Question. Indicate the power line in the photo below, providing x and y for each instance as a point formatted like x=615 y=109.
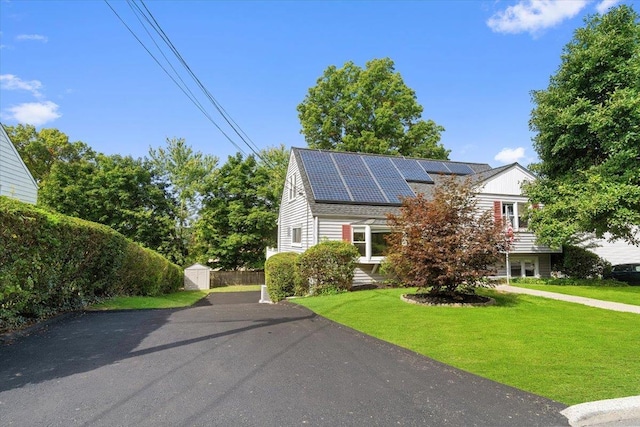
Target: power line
x=146 y=16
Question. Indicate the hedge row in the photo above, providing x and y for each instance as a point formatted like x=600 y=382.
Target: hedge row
x=51 y=263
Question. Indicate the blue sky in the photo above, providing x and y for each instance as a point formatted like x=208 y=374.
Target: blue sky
x=72 y=65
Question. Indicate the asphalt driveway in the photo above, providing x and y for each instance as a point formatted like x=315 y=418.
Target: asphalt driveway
x=230 y=361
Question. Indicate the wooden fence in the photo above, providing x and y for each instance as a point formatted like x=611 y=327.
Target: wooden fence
x=225 y=278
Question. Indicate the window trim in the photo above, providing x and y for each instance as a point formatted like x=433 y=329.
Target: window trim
x=516 y=208
x=293 y=235
x=368 y=231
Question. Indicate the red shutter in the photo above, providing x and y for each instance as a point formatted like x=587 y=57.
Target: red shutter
x=497 y=211
x=346 y=233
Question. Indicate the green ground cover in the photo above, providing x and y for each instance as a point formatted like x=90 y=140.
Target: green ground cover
x=174 y=300
x=567 y=352
x=624 y=294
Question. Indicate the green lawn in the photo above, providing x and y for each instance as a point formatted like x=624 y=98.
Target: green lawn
x=567 y=352
x=175 y=300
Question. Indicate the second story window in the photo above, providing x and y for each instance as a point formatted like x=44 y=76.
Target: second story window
x=292 y=187
x=508 y=214
x=514 y=214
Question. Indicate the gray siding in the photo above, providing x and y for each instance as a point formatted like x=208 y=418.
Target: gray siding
x=15 y=179
x=294 y=212
x=525 y=242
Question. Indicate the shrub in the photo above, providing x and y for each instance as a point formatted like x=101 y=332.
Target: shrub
x=51 y=263
x=280 y=275
x=444 y=243
x=580 y=263
x=328 y=266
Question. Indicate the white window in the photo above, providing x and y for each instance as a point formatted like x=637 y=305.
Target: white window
x=359 y=240
x=296 y=235
x=292 y=187
x=370 y=241
x=514 y=214
x=524 y=267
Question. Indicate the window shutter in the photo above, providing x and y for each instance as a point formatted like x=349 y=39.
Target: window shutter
x=497 y=211
x=346 y=233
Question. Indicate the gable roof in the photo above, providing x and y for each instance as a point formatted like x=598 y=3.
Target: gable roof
x=371 y=185
x=371 y=179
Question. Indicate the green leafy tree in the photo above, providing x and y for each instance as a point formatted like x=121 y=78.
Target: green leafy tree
x=368 y=110
x=41 y=149
x=444 y=244
x=187 y=173
x=239 y=215
x=116 y=191
x=588 y=135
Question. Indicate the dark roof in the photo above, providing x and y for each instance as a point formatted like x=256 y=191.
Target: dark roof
x=370 y=180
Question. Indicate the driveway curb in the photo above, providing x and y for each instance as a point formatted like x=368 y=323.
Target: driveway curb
x=604 y=412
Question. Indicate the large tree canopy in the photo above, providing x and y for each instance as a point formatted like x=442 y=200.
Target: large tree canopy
x=41 y=149
x=368 y=110
x=238 y=219
x=117 y=191
x=588 y=135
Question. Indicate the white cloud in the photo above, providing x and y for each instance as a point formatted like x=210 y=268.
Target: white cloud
x=510 y=155
x=34 y=113
x=605 y=5
x=35 y=37
x=535 y=15
x=11 y=82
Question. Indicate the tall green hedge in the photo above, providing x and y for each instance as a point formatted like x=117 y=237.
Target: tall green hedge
x=50 y=263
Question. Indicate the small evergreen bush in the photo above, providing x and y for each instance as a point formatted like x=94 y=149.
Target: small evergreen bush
x=280 y=275
x=329 y=266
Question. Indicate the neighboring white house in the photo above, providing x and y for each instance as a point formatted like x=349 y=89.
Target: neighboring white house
x=617 y=252
x=346 y=196
x=15 y=179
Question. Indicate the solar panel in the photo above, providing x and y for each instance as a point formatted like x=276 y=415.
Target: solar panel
x=411 y=170
x=459 y=168
x=324 y=177
x=359 y=181
x=389 y=179
x=434 y=166
x=395 y=189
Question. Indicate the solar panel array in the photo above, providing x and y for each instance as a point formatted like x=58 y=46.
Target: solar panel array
x=369 y=179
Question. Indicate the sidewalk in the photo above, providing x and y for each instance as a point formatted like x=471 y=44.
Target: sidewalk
x=607 y=305
x=604 y=413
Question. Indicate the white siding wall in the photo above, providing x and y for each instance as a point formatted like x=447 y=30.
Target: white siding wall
x=508 y=182
x=15 y=179
x=615 y=252
x=294 y=212
x=525 y=242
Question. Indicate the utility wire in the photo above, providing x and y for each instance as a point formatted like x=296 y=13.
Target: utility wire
x=153 y=23
x=156 y=26
x=188 y=93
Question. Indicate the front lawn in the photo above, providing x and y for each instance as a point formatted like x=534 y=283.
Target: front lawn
x=174 y=300
x=622 y=293
x=567 y=352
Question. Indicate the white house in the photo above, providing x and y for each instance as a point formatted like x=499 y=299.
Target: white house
x=15 y=179
x=346 y=196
